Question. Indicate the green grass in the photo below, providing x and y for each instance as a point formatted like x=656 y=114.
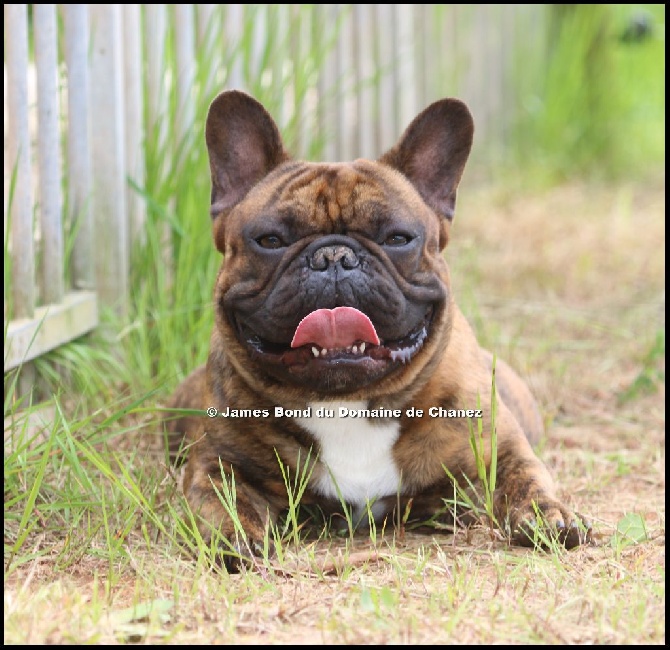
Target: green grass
x=652 y=373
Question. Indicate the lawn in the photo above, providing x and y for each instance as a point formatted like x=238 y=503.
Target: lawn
x=567 y=284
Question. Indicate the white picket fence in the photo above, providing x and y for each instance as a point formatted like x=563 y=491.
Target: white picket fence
x=79 y=103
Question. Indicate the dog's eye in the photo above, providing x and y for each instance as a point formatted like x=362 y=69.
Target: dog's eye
x=397 y=239
x=270 y=241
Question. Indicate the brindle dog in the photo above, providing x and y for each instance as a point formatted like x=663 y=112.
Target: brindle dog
x=334 y=297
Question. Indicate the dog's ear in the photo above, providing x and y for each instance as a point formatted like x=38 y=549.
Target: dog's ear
x=433 y=151
x=244 y=145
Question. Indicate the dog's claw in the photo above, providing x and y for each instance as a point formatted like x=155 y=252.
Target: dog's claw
x=527 y=531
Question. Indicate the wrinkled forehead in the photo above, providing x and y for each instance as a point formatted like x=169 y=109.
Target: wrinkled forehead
x=337 y=195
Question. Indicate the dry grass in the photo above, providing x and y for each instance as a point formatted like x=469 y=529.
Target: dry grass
x=568 y=285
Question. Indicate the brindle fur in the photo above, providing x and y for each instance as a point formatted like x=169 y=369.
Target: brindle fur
x=252 y=174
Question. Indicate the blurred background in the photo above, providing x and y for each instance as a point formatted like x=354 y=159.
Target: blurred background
x=106 y=176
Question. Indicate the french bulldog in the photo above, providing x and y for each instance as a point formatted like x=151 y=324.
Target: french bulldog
x=338 y=352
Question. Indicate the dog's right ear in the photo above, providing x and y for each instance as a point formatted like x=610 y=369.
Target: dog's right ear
x=244 y=145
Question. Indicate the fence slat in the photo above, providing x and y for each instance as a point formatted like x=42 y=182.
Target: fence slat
x=209 y=29
x=234 y=30
x=448 y=63
x=406 y=63
x=346 y=99
x=155 y=20
x=279 y=15
x=134 y=116
x=296 y=109
x=18 y=155
x=49 y=155
x=423 y=52
x=387 y=120
x=328 y=84
x=79 y=182
x=364 y=65
x=108 y=155
x=259 y=36
x=185 y=50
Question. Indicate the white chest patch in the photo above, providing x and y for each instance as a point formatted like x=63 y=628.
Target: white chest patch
x=356 y=451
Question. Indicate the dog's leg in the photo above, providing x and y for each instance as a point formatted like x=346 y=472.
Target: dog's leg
x=525 y=498
x=235 y=509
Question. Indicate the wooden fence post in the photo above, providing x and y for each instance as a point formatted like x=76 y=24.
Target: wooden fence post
x=18 y=155
x=387 y=95
x=209 y=30
x=108 y=156
x=185 y=50
x=134 y=121
x=49 y=154
x=233 y=32
x=155 y=18
x=79 y=182
x=365 y=66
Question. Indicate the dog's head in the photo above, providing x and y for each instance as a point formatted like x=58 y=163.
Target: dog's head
x=333 y=282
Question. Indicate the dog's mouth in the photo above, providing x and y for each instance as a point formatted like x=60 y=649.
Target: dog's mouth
x=346 y=332
x=336 y=350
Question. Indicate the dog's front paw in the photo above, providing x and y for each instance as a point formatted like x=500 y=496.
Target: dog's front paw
x=234 y=553
x=539 y=522
x=229 y=518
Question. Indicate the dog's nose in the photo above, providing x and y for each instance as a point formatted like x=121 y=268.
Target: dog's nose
x=326 y=256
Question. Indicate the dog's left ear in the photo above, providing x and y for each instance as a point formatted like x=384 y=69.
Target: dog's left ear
x=433 y=151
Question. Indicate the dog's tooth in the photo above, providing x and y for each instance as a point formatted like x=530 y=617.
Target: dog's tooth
x=362 y=347
x=315 y=351
x=324 y=352
x=354 y=349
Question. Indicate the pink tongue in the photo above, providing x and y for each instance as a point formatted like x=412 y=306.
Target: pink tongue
x=335 y=328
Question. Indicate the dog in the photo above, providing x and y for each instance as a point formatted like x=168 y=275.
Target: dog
x=338 y=352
